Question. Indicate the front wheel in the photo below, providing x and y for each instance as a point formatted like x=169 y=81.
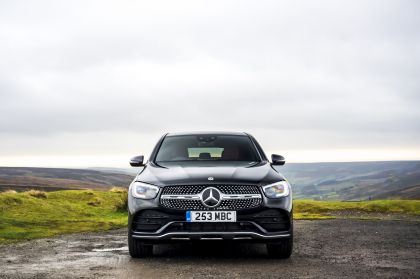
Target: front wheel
x=139 y=249
x=280 y=250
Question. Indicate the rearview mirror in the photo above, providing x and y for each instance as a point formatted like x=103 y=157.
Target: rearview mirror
x=278 y=160
x=137 y=161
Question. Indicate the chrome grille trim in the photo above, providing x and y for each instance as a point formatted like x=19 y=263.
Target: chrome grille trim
x=223 y=197
x=237 y=235
x=232 y=197
x=180 y=197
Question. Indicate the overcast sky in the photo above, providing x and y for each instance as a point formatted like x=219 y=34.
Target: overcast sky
x=91 y=83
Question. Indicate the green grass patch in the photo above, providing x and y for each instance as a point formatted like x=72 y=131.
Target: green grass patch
x=311 y=216
x=37 y=214
x=309 y=209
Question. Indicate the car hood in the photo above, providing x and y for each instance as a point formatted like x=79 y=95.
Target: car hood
x=199 y=173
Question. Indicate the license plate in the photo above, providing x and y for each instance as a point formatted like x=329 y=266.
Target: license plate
x=211 y=216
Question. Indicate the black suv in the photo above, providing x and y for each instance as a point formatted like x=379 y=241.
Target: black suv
x=209 y=186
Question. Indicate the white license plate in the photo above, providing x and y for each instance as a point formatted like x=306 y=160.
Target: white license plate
x=211 y=216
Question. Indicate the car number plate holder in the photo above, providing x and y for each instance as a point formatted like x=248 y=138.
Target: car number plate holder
x=210 y=216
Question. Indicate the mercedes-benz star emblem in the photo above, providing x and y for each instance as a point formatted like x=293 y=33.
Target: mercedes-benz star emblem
x=211 y=197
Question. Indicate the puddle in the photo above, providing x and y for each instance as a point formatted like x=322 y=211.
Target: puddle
x=125 y=248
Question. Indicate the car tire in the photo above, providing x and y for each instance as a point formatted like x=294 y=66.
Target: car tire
x=139 y=249
x=280 y=250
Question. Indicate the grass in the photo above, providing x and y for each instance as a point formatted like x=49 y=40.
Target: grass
x=309 y=209
x=311 y=216
x=36 y=214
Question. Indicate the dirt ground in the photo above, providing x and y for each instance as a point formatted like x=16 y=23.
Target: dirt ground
x=323 y=249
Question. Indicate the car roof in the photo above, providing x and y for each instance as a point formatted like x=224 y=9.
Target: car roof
x=207 y=133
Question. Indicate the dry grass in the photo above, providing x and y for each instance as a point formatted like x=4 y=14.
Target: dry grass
x=10 y=192
x=95 y=202
x=89 y=192
x=122 y=206
x=118 y=190
x=37 y=194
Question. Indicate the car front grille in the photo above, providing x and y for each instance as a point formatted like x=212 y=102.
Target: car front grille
x=197 y=189
x=224 y=205
x=233 y=197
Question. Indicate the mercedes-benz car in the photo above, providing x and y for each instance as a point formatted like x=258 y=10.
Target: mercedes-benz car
x=209 y=186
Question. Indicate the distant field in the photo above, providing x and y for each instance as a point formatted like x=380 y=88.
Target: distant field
x=36 y=214
x=53 y=179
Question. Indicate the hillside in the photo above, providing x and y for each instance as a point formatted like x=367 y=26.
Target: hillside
x=354 y=181
x=320 y=181
x=52 y=179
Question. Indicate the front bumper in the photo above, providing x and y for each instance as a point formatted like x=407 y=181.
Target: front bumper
x=258 y=225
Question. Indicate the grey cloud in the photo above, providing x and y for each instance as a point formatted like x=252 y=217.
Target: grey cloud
x=344 y=72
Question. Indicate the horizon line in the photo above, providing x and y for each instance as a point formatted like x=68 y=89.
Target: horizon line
x=129 y=167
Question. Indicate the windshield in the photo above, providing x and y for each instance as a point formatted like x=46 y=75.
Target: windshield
x=207 y=148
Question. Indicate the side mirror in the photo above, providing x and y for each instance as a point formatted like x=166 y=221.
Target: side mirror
x=278 y=160
x=137 y=161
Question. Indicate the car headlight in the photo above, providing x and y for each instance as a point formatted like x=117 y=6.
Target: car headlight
x=277 y=190
x=144 y=191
